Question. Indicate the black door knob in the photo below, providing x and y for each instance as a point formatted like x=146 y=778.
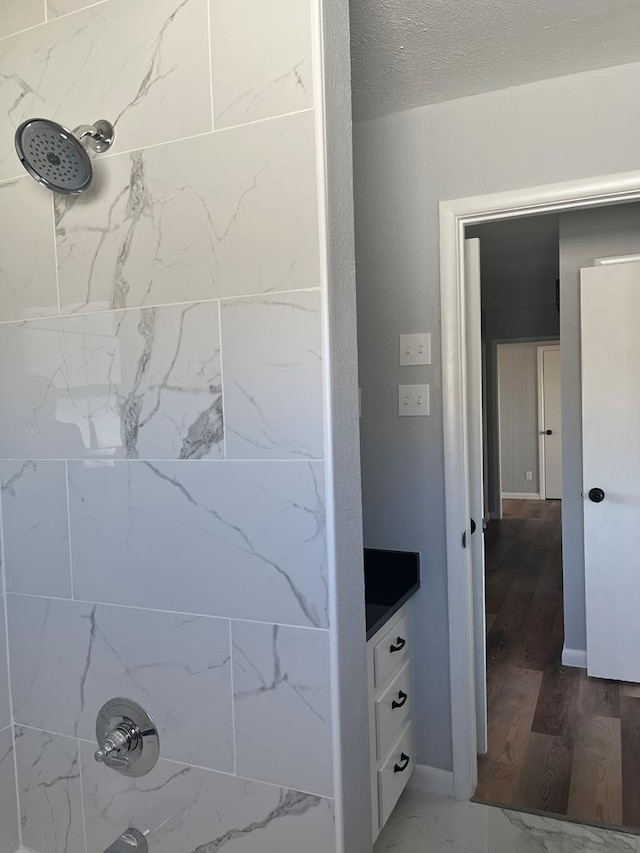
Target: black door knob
x=548 y=432
x=596 y=495
x=473 y=527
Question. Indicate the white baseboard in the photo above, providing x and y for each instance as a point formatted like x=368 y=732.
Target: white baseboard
x=520 y=496
x=432 y=780
x=574 y=657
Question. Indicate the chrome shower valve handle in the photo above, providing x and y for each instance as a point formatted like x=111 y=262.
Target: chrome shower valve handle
x=121 y=742
x=127 y=738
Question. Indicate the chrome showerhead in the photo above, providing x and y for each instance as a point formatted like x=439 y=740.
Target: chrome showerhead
x=56 y=157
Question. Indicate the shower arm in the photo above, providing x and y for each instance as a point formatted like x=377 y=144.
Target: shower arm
x=98 y=136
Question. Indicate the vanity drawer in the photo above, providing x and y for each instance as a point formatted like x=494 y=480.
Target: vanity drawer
x=395 y=773
x=391 y=651
x=393 y=709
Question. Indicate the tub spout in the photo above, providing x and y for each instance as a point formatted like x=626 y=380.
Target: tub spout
x=131 y=841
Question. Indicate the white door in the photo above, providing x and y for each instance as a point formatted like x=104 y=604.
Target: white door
x=610 y=308
x=551 y=423
x=476 y=496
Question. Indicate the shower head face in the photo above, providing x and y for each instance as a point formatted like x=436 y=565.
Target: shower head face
x=53 y=156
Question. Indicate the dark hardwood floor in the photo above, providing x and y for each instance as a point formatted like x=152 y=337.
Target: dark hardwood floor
x=559 y=742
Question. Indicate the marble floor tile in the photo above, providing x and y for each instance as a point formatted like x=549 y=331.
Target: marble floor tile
x=413 y=824
x=416 y=826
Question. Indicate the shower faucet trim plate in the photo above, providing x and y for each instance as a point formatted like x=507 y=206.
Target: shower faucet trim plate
x=127 y=738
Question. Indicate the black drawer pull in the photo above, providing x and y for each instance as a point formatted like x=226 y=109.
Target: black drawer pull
x=400 y=768
x=402 y=696
x=400 y=644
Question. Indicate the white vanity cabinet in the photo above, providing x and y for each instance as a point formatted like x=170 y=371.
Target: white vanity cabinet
x=391 y=733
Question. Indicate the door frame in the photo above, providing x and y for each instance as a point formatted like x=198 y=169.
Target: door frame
x=455 y=216
x=542 y=474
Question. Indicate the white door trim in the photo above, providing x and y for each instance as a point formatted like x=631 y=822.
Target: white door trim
x=542 y=485
x=455 y=215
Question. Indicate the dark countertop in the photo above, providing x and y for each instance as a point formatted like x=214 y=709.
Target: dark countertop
x=390 y=579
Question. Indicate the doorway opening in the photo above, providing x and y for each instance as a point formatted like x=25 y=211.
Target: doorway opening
x=561 y=737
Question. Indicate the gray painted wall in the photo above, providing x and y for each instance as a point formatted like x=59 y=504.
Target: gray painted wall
x=519 y=270
x=518 y=385
x=571 y=127
x=584 y=235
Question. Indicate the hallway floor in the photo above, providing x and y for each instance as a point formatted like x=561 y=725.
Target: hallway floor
x=559 y=742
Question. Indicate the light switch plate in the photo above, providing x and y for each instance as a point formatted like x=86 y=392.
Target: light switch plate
x=413 y=401
x=415 y=349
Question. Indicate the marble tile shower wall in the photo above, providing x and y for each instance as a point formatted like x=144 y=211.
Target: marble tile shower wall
x=161 y=441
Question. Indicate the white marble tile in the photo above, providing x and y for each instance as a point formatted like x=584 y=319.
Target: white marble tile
x=27 y=252
x=9 y=840
x=113 y=384
x=5 y=705
x=261 y=57
x=282 y=692
x=484 y=829
x=55 y=8
x=36 y=528
x=143 y=65
x=177 y=667
x=272 y=362
x=413 y=825
x=50 y=794
x=221 y=215
x=187 y=810
x=243 y=540
x=16 y=15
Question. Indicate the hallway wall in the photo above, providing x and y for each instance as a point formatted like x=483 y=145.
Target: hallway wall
x=518 y=390
x=519 y=270
x=555 y=130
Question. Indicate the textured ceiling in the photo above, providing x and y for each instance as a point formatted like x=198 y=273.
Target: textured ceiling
x=406 y=53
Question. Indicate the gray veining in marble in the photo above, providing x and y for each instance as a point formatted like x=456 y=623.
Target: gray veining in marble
x=118 y=384
x=272 y=351
x=432 y=824
x=236 y=539
x=282 y=695
x=50 y=794
x=188 y=810
x=177 y=667
x=9 y=838
x=220 y=215
x=261 y=55
x=36 y=527
x=154 y=87
x=27 y=251
x=5 y=705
